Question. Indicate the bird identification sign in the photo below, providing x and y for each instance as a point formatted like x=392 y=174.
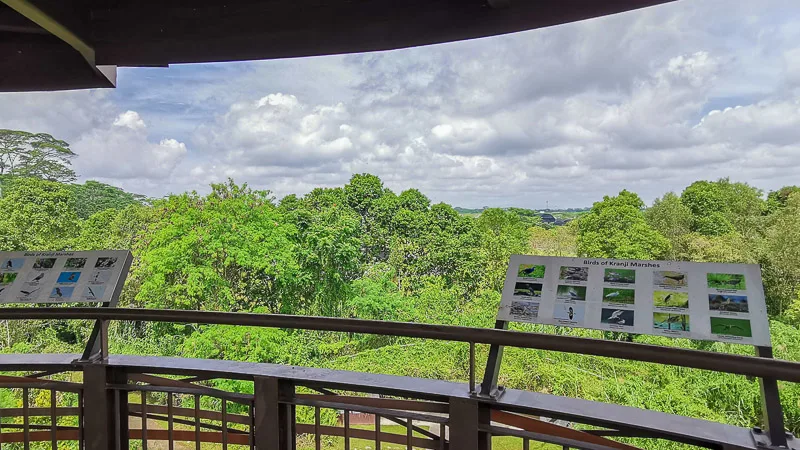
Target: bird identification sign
x=62 y=277
x=708 y=301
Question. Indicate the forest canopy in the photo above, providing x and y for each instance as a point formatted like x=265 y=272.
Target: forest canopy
x=363 y=250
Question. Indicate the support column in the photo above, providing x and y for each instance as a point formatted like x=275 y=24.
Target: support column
x=275 y=415
x=466 y=418
x=105 y=413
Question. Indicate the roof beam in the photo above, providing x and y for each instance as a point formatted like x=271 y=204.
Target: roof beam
x=53 y=26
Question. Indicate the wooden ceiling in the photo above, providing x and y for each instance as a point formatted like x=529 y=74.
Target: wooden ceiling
x=74 y=44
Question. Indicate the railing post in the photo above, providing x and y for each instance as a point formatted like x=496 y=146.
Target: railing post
x=771 y=409
x=106 y=414
x=274 y=414
x=489 y=387
x=466 y=418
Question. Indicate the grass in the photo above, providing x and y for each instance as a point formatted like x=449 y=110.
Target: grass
x=613 y=295
x=670 y=299
x=337 y=443
x=726 y=281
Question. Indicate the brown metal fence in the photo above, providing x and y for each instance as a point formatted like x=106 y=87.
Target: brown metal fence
x=124 y=402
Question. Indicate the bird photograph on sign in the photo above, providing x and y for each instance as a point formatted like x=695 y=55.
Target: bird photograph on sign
x=670 y=299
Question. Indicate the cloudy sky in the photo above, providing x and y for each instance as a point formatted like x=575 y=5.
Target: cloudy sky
x=648 y=100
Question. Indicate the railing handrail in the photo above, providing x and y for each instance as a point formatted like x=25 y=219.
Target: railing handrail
x=697 y=359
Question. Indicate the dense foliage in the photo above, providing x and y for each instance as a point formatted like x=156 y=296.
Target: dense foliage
x=362 y=250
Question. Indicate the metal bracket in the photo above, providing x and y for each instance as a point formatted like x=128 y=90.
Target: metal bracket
x=761 y=438
x=494 y=394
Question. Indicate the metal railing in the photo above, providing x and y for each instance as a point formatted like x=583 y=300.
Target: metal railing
x=131 y=399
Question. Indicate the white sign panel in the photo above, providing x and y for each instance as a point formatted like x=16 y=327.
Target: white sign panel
x=709 y=301
x=62 y=277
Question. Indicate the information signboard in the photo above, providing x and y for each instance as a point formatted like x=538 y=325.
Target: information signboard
x=62 y=277
x=709 y=301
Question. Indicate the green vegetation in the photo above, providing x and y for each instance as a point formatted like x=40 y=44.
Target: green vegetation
x=361 y=250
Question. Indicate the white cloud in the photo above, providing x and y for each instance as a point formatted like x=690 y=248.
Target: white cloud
x=130 y=119
x=123 y=151
x=649 y=100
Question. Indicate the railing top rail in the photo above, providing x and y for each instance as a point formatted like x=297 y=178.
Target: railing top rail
x=719 y=362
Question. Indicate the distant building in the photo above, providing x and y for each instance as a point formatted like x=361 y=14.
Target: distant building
x=548 y=218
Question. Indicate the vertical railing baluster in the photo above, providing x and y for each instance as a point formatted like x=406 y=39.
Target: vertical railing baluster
x=377 y=432
x=472 y=368
x=53 y=420
x=346 y=430
x=144 y=420
x=409 y=433
x=117 y=421
x=25 y=422
x=81 y=444
x=197 y=421
x=224 y=424
x=317 y=437
x=442 y=434
x=526 y=444
x=170 y=424
x=252 y=426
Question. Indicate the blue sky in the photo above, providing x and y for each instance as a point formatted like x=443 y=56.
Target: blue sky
x=648 y=100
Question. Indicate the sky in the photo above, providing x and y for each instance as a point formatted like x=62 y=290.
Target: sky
x=649 y=100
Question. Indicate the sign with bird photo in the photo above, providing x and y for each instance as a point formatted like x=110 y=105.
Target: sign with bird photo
x=62 y=277
x=708 y=301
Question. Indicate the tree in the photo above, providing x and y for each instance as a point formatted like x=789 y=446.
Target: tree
x=35 y=155
x=529 y=217
x=616 y=228
x=725 y=248
x=780 y=259
x=719 y=207
x=115 y=229
x=230 y=250
x=36 y=215
x=673 y=219
x=376 y=207
x=328 y=248
x=501 y=234
x=555 y=241
x=778 y=199
x=93 y=196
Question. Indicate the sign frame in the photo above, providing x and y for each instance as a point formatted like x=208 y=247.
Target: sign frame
x=68 y=272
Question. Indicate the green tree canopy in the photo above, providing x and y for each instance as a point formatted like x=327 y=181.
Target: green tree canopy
x=670 y=217
x=616 y=228
x=501 y=234
x=36 y=214
x=719 y=207
x=780 y=259
x=778 y=199
x=230 y=250
x=35 y=155
x=93 y=196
